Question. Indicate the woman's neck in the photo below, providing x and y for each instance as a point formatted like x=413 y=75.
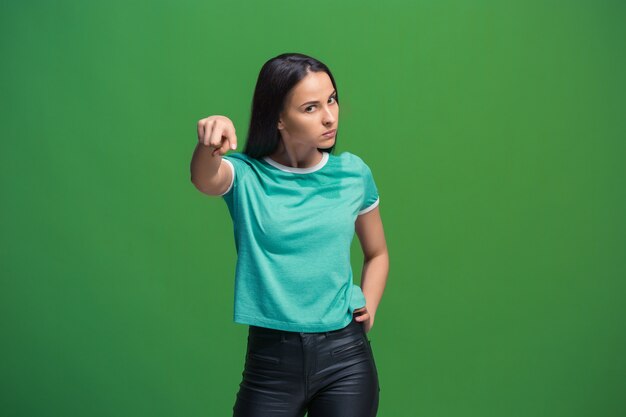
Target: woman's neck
x=297 y=159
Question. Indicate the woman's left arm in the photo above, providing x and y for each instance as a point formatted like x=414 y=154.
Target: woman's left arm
x=369 y=229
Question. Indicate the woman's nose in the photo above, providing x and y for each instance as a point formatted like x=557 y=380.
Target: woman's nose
x=329 y=117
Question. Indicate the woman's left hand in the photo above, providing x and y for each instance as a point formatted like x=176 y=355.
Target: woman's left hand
x=362 y=315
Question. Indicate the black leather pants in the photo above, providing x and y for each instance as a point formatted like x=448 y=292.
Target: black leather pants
x=327 y=374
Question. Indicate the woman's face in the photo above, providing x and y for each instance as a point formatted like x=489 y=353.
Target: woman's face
x=310 y=110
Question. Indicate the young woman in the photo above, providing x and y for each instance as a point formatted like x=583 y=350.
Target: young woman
x=295 y=208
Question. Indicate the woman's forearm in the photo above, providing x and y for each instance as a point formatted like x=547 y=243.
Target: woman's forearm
x=374 y=279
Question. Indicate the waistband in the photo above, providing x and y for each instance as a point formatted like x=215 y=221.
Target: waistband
x=352 y=327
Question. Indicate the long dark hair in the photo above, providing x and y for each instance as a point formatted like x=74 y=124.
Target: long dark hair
x=276 y=78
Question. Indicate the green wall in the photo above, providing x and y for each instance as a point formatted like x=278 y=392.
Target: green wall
x=495 y=132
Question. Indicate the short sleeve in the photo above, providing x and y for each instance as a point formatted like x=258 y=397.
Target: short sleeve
x=370 y=192
x=239 y=166
x=232 y=167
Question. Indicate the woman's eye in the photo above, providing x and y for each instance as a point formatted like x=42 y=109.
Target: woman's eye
x=307 y=109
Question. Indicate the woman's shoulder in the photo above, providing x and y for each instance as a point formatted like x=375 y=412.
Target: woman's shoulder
x=352 y=159
x=237 y=155
x=241 y=162
x=242 y=158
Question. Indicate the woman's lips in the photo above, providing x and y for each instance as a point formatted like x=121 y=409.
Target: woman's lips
x=330 y=134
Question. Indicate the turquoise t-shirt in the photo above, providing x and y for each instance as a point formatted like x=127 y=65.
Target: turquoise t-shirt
x=293 y=230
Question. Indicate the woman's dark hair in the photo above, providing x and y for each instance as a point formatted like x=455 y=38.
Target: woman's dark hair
x=276 y=79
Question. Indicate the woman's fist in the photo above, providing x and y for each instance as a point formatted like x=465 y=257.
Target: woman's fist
x=217 y=133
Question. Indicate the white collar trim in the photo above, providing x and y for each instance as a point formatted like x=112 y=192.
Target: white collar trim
x=295 y=170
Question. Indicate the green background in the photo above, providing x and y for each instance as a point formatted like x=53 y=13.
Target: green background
x=495 y=132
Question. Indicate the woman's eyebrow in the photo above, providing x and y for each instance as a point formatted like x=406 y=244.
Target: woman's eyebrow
x=315 y=102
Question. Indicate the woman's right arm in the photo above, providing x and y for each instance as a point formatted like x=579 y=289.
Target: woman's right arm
x=216 y=134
